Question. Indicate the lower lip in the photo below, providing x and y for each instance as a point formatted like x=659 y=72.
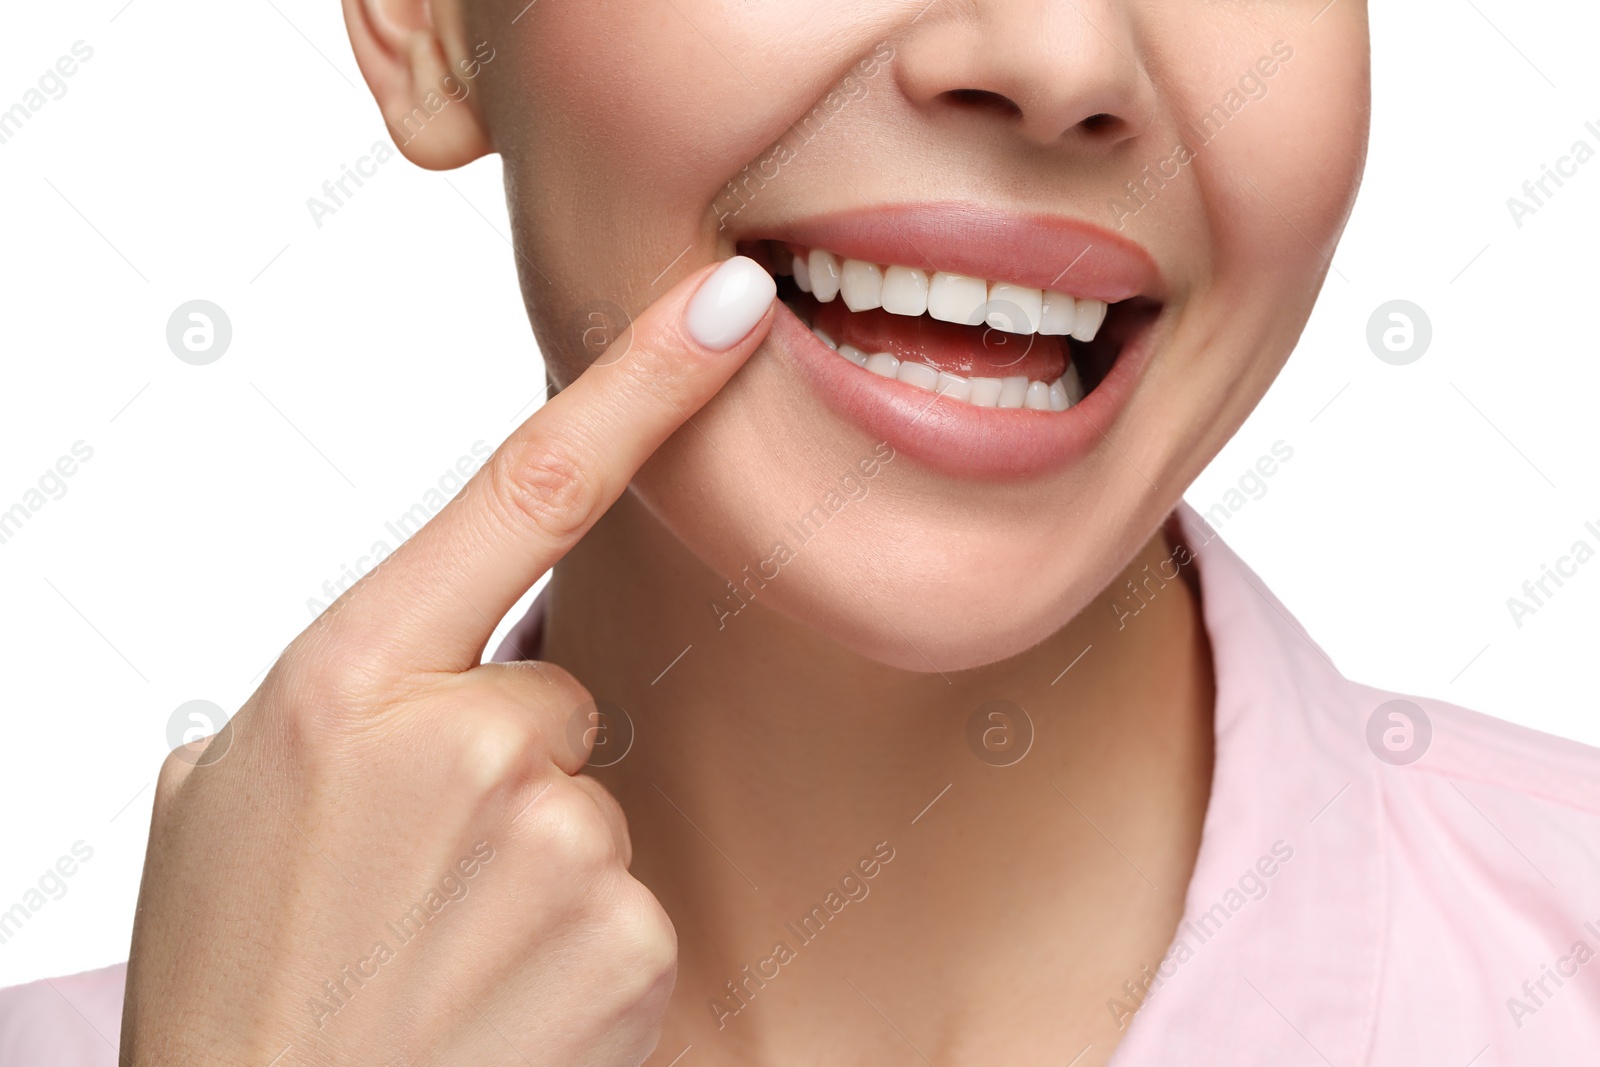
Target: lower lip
x=952 y=436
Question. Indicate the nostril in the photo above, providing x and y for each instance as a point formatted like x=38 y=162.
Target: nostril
x=983 y=100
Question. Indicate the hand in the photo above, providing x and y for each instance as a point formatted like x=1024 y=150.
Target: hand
x=398 y=860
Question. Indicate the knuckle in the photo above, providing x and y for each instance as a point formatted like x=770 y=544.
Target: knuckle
x=169 y=780
x=324 y=705
x=572 y=834
x=546 y=482
x=491 y=748
x=647 y=942
x=311 y=685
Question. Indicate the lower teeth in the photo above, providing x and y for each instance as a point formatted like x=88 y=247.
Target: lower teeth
x=1013 y=392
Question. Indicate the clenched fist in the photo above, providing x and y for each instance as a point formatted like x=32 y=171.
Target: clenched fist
x=399 y=860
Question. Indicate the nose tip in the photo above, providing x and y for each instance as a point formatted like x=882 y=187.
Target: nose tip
x=1040 y=123
x=1052 y=72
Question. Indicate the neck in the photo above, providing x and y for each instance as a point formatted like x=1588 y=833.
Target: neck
x=1025 y=860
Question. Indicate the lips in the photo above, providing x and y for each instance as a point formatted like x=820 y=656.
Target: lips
x=985 y=344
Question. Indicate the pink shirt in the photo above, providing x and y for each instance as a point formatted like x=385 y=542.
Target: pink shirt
x=1345 y=909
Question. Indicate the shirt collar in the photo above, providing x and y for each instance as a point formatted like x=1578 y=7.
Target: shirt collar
x=1278 y=956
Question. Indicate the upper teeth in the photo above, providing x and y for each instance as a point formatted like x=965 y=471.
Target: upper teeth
x=947 y=297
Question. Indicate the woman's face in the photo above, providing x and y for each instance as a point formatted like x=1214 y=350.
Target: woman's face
x=1188 y=162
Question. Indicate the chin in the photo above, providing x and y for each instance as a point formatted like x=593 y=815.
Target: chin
x=874 y=551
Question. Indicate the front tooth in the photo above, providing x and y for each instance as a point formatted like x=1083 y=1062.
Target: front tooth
x=1013 y=391
x=1059 y=314
x=1091 y=313
x=883 y=363
x=853 y=354
x=1072 y=383
x=1037 y=398
x=954 y=386
x=824 y=270
x=905 y=291
x=957 y=298
x=1014 y=308
x=985 y=392
x=1059 y=401
x=918 y=374
x=802 y=275
x=862 y=285
x=825 y=339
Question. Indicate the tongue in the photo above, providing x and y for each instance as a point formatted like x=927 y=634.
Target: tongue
x=970 y=351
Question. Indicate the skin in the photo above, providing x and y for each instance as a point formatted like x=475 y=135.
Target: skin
x=791 y=740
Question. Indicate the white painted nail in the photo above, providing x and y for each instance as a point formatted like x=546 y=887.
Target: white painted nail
x=729 y=303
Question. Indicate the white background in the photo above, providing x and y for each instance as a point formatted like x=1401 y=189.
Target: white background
x=370 y=354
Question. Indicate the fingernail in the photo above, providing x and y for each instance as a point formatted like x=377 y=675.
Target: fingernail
x=729 y=303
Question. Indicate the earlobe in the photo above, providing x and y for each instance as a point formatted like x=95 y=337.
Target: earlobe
x=427 y=106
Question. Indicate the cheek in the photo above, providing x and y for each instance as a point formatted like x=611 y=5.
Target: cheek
x=663 y=101
x=1281 y=177
x=620 y=125
x=1273 y=187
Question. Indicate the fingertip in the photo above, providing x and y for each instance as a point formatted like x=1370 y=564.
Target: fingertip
x=730 y=303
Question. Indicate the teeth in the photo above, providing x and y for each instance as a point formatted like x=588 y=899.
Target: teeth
x=948 y=297
x=1059 y=401
x=1091 y=313
x=985 y=392
x=862 y=286
x=802 y=274
x=1059 y=314
x=957 y=298
x=883 y=363
x=905 y=291
x=853 y=354
x=920 y=375
x=824 y=270
x=1014 y=309
x=1073 y=384
x=953 y=386
x=1012 y=391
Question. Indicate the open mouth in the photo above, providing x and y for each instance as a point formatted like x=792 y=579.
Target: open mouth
x=988 y=343
x=980 y=343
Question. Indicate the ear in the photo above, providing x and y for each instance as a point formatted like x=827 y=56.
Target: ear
x=406 y=56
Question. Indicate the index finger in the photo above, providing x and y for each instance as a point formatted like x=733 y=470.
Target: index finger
x=433 y=605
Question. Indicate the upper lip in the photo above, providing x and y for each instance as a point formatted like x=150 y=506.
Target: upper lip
x=1063 y=255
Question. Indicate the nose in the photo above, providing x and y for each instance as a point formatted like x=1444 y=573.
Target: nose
x=1056 y=70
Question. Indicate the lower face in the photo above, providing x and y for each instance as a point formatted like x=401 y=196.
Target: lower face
x=1037 y=261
